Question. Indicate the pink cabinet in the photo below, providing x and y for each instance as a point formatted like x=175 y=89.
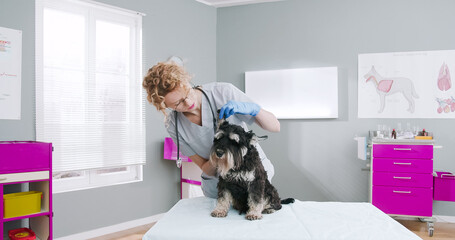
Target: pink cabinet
x=190 y=173
x=27 y=162
x=402 y=180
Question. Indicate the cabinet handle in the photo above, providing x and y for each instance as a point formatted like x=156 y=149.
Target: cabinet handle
x=401 y=177
x=402 y=163
x=402 y=149
x=2 y=179
x=447 y=175
x=401 y=191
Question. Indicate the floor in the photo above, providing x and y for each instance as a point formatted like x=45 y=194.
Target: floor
x=130 y=234
x=442 y=231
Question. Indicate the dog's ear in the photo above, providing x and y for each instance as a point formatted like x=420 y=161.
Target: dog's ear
x=253 y=138
x=220 y=121
x=262 y=138
x=218 y=114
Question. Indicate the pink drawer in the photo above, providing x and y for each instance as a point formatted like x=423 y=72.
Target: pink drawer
x=404 y=200
x=17 y=156
x=403 y=151
x=402 y=165
x=403 y=179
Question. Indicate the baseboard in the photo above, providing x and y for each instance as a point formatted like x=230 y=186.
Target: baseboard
x=112 y=229
x=445 y=219
x=437 y=218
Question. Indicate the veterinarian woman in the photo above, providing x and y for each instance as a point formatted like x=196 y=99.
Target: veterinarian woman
x=168 y=88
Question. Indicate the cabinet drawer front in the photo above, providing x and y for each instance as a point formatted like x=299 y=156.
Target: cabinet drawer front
x=403 y=179
x=402 y=165
x=24 y=156
x=191 y=171
x=404 y=200
x=403 y=151
x=22 y=177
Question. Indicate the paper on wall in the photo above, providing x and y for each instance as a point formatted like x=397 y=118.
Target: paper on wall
x=361 y=147
x=10 y=73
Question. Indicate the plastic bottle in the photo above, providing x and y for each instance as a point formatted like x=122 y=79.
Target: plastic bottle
x=394 y=134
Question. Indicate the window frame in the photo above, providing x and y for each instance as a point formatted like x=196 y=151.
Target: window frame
x=93 y=12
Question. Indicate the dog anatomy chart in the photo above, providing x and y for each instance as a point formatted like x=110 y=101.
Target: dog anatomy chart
x=406 y=85
x=10 y=73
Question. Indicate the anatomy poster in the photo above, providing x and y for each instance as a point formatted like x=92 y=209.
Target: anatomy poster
x=406 y=85
x=10 y=73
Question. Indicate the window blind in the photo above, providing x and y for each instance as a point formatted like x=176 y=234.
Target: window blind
x=89 y=99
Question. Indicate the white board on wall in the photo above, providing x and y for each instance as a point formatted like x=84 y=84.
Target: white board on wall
x=295 y=93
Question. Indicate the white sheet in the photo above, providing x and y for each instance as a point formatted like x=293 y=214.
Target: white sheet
x=190 y=219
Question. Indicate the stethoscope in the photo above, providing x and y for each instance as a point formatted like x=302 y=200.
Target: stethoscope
x=179 y=160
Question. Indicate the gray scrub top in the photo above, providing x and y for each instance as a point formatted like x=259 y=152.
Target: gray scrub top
x=195 y=139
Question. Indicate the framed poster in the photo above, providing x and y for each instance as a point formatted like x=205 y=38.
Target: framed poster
x=406 y=85
x=10 y=73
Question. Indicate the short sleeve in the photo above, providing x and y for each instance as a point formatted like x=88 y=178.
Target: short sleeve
x=185 y=148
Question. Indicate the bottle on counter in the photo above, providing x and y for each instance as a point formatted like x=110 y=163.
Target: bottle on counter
x=424 y=133
x=394 y=134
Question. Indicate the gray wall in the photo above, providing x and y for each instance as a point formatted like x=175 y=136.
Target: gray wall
x=171 y=27
x=317 y=159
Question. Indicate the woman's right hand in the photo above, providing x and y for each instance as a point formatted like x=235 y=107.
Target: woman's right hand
x=234 y=107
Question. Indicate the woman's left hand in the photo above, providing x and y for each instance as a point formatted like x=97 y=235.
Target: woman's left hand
x=233 y=107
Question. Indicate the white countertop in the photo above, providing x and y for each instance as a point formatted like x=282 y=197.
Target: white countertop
x=408 y=141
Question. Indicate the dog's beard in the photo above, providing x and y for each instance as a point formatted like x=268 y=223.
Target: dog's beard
x=227 y=162
x=223 y=164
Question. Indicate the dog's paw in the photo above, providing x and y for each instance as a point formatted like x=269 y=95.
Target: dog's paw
x=251 y=216
x=268 y=211
x=219 y=213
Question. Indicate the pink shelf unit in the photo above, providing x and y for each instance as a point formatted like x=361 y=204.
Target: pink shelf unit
x=402 y=179
x=170 y=151
x=189 y=174
x=31 y=163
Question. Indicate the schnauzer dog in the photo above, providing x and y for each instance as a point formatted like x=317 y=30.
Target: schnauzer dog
x=242 y=179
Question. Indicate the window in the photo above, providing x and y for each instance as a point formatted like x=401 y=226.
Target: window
x=89 y=100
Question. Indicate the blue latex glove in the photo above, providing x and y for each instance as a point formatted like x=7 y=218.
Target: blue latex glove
x=233 y=107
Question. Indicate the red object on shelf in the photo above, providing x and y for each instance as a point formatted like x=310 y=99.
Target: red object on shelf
x=21 y=234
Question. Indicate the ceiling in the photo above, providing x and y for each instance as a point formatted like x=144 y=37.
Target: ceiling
x=228 y=3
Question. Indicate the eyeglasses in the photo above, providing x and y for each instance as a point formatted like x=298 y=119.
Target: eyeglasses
x=183 y=99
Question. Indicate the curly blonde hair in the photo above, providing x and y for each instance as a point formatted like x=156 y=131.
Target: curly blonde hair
x=163 y=78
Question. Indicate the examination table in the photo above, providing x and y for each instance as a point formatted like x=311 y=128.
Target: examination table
x=190 y=219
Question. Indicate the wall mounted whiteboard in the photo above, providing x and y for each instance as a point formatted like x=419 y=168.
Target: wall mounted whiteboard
x=295 y=93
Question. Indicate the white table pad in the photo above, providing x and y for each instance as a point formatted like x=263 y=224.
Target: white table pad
x=190 y=219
